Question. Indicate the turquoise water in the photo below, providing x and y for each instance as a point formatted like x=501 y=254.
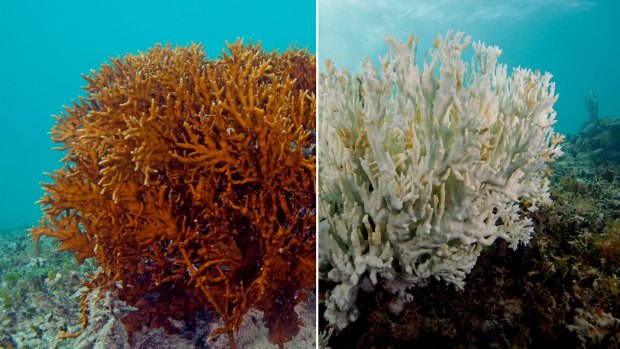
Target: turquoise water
x=575 y=40
x=47 y=45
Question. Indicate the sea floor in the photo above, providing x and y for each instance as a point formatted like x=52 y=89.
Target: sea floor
x=40 y=294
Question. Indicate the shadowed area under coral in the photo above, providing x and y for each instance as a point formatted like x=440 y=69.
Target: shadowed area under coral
x=191 y=183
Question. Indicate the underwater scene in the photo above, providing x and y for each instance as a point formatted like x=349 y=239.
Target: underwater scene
x=163 y=164
x=159 y=175
x=469 y=170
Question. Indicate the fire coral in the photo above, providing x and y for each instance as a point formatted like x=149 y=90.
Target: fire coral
x=192 y=179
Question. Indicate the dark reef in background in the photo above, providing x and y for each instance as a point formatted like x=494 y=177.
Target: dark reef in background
x=598 y=141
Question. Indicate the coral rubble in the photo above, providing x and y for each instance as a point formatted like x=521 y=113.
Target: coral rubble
x=39 y=293
x=191 y=183
x=420 y=169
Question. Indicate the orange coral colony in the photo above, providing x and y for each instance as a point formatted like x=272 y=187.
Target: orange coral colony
x=193 y=179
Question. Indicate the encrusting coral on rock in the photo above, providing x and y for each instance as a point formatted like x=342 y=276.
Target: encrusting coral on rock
x=420 y=169
x=191 y=183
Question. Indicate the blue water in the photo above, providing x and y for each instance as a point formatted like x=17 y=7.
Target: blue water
x=575 y=40
x=47 y=45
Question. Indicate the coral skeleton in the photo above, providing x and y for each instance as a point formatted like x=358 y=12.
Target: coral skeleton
x=421 y=167
x=191 y=182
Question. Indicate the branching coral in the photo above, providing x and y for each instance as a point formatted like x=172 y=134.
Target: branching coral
x=421 y=168
x=193 y=179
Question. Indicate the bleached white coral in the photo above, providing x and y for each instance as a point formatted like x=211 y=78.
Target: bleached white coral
x=420 y=167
